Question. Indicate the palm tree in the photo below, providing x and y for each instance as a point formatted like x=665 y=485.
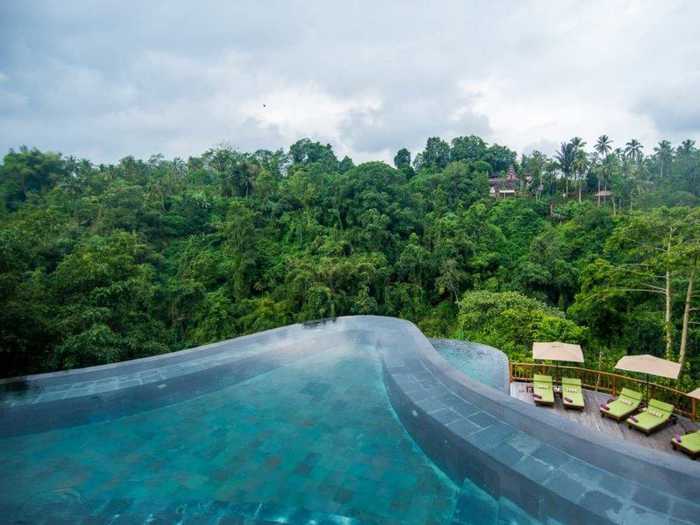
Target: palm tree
x=578 y=143
x=632 y=162
x=664 y=156
x=603 y=147
x=565 y=161
x=687 y=146
x=580 y=161
x=580 y=165
x=633 y=150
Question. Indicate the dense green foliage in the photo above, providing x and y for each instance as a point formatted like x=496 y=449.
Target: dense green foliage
x=512 y=322
x=111 y=262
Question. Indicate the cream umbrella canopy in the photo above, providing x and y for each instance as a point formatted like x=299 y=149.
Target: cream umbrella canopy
x=557 y=351
x=649 y=365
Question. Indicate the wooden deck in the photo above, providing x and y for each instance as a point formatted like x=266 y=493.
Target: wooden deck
x=590 y=418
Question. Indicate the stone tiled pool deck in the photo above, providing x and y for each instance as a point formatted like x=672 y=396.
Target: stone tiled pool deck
x=591 y=419
x=293 y=427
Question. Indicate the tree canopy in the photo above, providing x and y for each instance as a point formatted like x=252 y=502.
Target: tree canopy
x=100 y=263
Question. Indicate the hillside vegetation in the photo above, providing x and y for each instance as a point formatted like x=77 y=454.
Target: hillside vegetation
x=101 y=263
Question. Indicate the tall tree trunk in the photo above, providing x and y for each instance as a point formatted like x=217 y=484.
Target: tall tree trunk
x=599 y=192
x=686 y=315
x=580 y=184
x=667 y=316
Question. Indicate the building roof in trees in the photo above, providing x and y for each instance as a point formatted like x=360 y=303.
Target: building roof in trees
x=507 y=184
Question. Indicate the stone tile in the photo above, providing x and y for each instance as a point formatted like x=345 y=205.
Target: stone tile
x=436 y=391
x=602 y=503
x=652 y=499
x=534 y=469
x=128 y=384
x=431 y=404
x=316 y=389
x=584 y=472
x=510 y=514
x=451 y=399
x=464 y=408
x=463 y=427
x=685 y=511
x=50 y=396
x=635 y=515
x=445 y=416
x=483 y=419
x=343 y=495
x=475 y=508
x=429 y=383
x=506 y=453
x=565 y=486
x=616 y=485
x=551 y=455
x=303 y=469
x=491 y=436
x=523 y=442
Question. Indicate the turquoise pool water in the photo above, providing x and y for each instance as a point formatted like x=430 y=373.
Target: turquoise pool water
x=477 y=361
x=313 y=440
x=316 y=435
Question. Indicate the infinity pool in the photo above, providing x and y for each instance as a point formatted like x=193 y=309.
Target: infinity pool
x=353 y=421
x=306 y=435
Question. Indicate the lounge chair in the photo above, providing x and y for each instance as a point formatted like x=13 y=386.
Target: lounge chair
x=690 y=443
x=542 y=391
x=572 y=394
x=618 y=409
x=651 y=418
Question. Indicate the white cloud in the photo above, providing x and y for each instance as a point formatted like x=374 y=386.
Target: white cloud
x=298 y=111
x=368 y=77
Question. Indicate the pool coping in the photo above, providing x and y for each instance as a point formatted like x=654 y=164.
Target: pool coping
x=168 y=356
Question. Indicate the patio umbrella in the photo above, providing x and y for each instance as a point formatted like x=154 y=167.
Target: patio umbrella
x=649 y=365
x=557 y=351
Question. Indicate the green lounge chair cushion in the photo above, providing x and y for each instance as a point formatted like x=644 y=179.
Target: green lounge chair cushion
x=542 y=379
x=656 y=414
x=571 y=394
x=647 y=421
x=627 y=403
x=632 y=394
x=661 y=406
x=544 y=391
x=691 y=442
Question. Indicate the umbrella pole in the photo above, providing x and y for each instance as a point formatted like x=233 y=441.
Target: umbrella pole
x=647 y=389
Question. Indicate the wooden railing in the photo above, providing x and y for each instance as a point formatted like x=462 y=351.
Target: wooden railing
x=608 y=382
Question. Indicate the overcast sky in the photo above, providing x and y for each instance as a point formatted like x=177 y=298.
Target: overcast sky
x=104 y=79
